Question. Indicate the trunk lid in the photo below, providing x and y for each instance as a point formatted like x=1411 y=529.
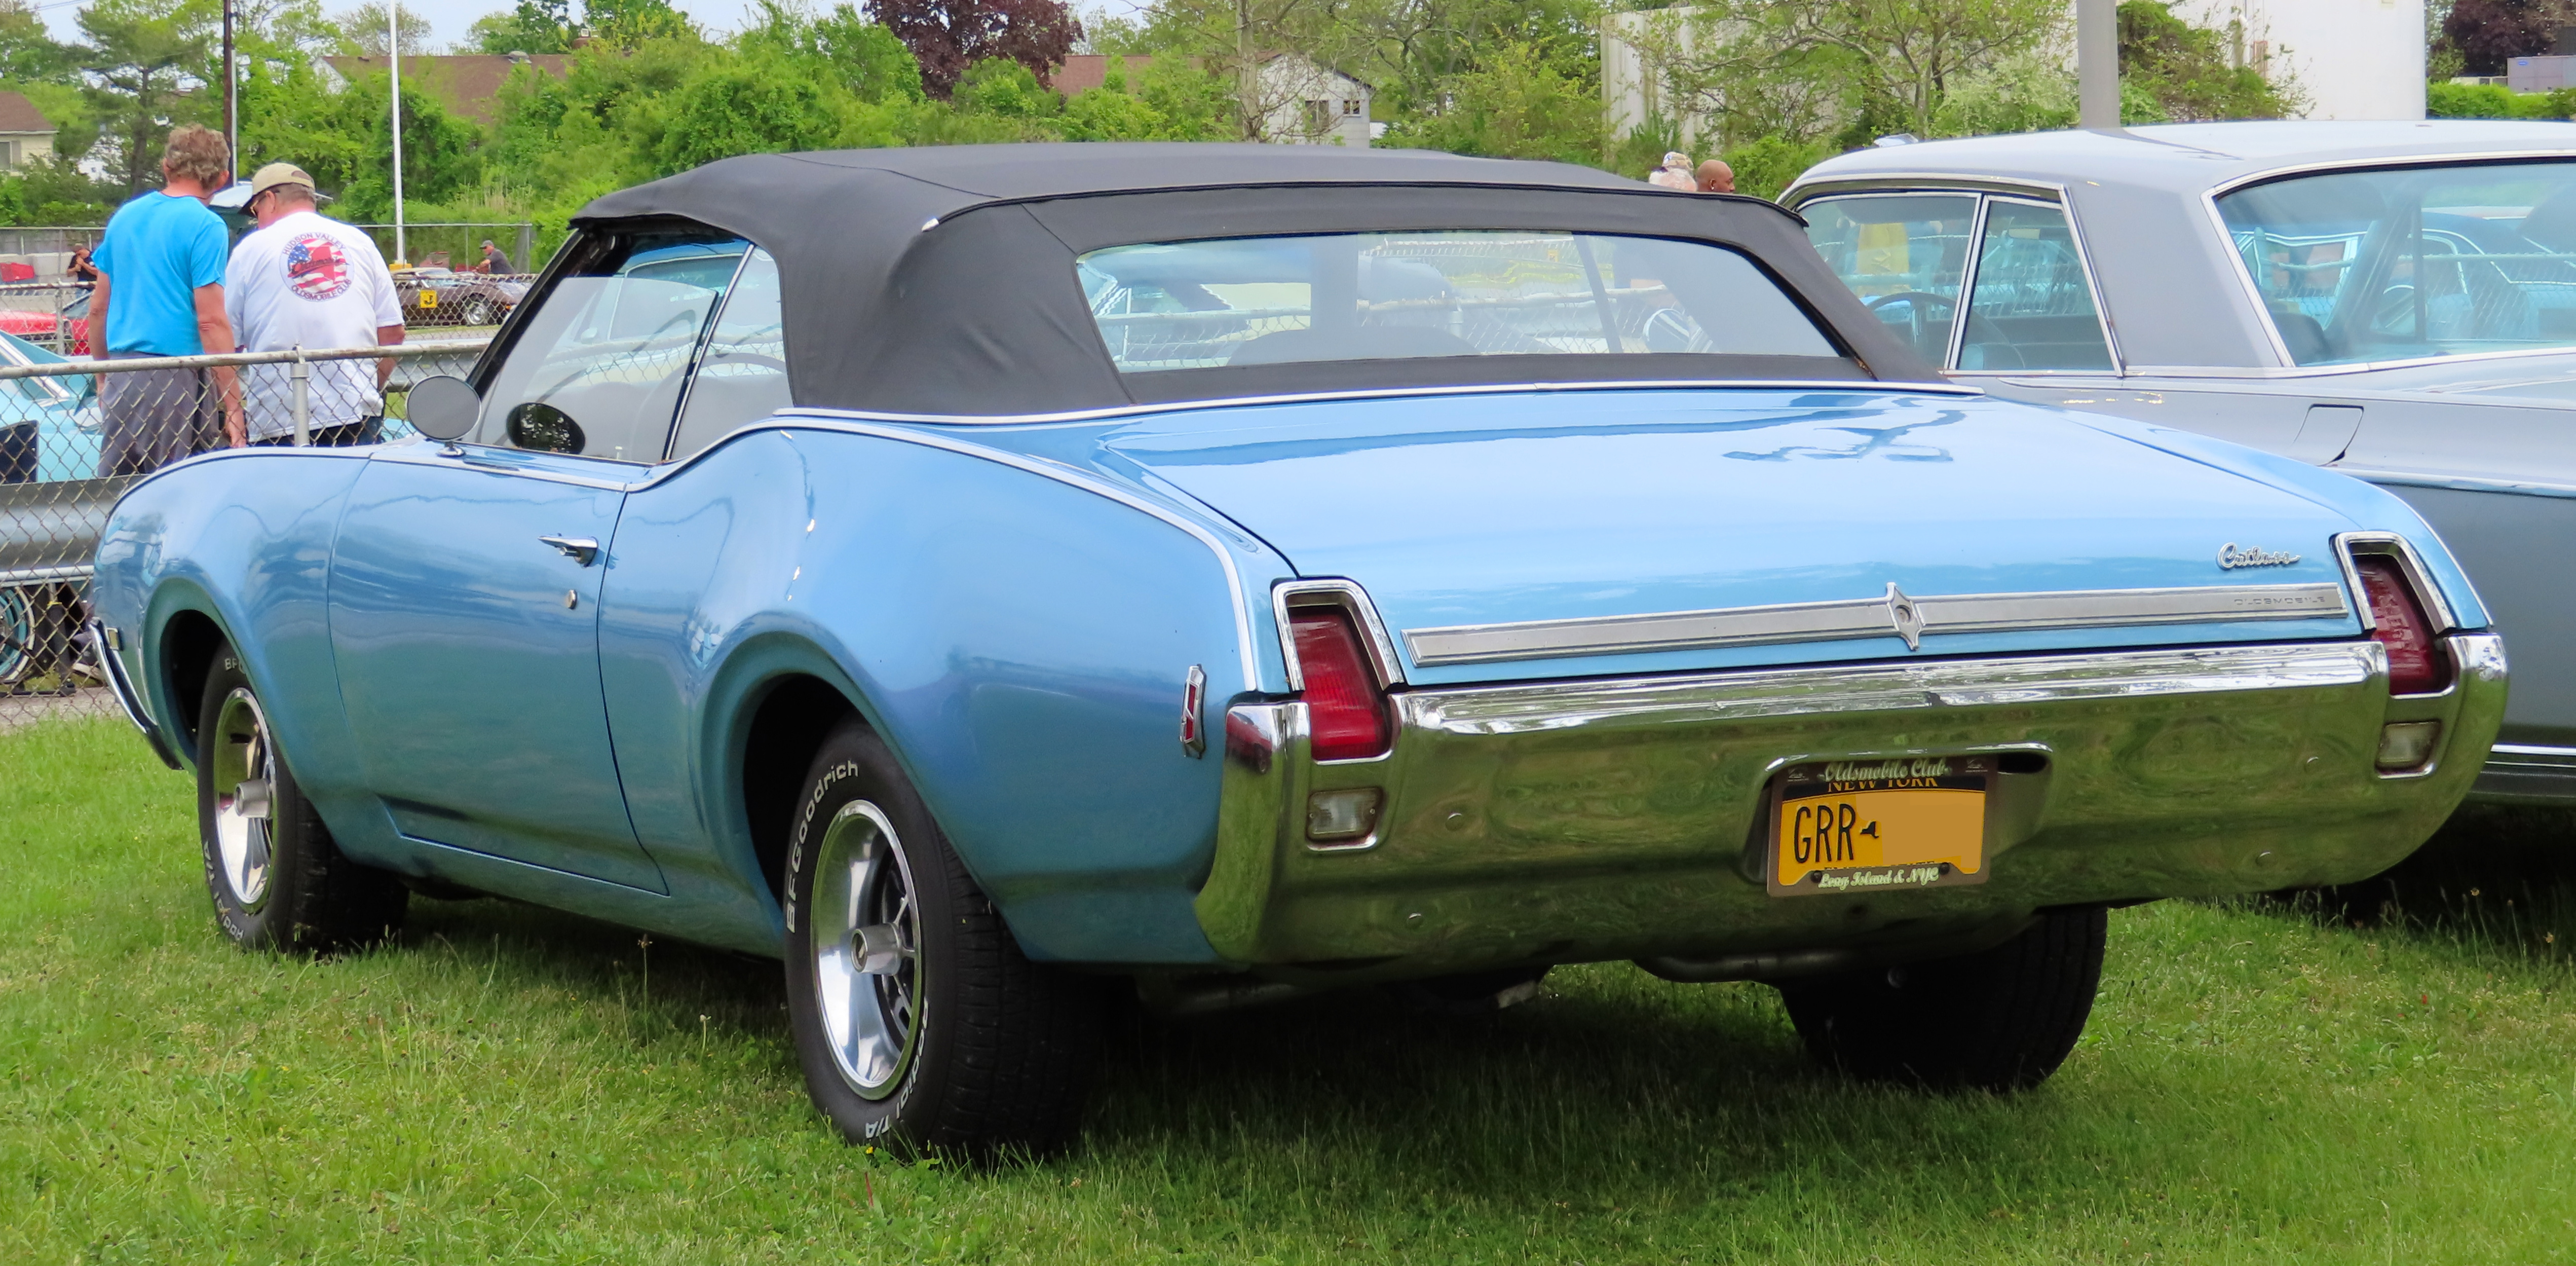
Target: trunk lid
x=1510 y=508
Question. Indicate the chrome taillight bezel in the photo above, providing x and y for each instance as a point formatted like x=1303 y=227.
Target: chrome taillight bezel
x=2428 y=595
x=1288 y=596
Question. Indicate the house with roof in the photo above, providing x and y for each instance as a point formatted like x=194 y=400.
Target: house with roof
x=468 y=84
x=1305 y=102
x=25 y=133
x=1299 y=101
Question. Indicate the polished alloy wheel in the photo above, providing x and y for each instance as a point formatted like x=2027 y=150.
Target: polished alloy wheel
x=866 y=937
x=243 y=769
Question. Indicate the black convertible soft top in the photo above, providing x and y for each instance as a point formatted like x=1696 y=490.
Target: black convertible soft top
x=940 y=280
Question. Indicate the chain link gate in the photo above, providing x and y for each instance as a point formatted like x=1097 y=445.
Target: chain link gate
x=75 y=434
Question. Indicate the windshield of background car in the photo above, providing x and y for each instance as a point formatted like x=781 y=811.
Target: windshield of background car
x=1376 y=296
x=2408 y=262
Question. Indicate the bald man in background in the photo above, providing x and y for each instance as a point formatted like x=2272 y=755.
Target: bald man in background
x=1716 y=177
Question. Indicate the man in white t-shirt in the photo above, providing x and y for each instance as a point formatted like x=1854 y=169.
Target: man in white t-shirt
x=304 y=281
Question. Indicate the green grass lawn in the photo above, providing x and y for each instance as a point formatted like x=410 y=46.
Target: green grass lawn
x=512 y=1085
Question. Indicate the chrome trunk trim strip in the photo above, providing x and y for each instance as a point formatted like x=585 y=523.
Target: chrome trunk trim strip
x=1890 y=687
x=1870 y=617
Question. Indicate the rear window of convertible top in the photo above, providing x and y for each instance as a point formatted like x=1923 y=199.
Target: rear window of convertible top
x=1378 y=296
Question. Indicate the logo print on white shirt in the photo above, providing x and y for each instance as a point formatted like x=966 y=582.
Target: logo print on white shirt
x=315 y=268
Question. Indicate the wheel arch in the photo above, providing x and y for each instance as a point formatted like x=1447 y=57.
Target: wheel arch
x=188 y=632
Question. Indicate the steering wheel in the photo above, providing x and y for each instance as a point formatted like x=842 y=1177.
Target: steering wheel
x=1914 y=314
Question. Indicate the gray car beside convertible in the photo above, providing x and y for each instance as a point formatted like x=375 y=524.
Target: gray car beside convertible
x=2395 y=301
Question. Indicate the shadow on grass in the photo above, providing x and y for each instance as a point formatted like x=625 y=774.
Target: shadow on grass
x=667 y=986
x=1387 y=1084
x=1612 y=1090
x=2495 y=877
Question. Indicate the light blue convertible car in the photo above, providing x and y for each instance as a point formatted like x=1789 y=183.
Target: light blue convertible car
x=988 y=577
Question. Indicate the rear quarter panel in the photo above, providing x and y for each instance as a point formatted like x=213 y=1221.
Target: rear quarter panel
x=1021 y=641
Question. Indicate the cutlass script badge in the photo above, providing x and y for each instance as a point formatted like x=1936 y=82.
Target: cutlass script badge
x=2231 y=557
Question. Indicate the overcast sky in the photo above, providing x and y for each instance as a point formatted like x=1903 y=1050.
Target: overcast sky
x=449 y=18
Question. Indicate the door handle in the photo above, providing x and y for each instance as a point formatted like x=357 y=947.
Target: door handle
x=580 y=549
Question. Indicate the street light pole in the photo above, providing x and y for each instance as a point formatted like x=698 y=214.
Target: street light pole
x=393 y=50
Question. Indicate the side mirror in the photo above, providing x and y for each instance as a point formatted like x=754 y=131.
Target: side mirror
x=443 y=408
x=544 y=428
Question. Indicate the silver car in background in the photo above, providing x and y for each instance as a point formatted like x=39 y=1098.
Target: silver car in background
x=2396 y=301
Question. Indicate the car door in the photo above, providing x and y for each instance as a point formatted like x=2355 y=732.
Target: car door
x=466 y=577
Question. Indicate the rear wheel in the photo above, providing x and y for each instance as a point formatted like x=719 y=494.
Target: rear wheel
x=2002 y=1019
x=918 y=1022
x=278 y=880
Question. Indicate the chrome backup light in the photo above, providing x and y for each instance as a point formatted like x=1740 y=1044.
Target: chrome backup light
x=1345 y=815
x=2404 y=744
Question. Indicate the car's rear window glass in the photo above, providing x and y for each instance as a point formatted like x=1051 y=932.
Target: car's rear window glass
x=2406 y=262
x=1378 y=296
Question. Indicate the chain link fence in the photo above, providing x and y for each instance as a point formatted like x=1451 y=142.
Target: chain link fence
x=74 y=434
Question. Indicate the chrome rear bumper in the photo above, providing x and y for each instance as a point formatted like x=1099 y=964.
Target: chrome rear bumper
x=1587 y=820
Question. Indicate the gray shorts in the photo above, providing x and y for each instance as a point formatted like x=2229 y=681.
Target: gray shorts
x=153 y=417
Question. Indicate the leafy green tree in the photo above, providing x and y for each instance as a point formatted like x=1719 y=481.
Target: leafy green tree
x=534 y=26
x=1111 y=114
x=1516 y=103
x=441 y=156
x=747 y=107
x=2187 y=70
x=366 y=30
x=1199 y=105
x=862 y=57
x=144 y=59
x=628 y=23
x=28 y=52
x=1005 y=89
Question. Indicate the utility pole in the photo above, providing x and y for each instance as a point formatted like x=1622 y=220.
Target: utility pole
x=393 y=50
x=232 y=106
x=2097 y=65
x=1247 y=76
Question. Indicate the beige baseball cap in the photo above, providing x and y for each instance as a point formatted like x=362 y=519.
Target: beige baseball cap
x=276 y=174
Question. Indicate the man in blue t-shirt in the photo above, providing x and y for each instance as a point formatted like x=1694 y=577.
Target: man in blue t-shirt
x=161 y=293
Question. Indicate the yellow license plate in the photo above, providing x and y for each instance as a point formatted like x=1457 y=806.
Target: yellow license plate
x=1872 y=825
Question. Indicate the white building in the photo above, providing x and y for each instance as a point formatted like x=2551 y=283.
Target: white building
x=2352 y=59
x=2349 y=59
x=1305 y=103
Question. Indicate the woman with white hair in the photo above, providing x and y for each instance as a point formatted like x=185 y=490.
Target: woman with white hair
x=1675 y=173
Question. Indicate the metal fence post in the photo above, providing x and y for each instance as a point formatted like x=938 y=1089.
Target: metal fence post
x=303 y=374
x=527 y=247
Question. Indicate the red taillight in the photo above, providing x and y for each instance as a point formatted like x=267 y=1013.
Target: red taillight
x=2416 y=663
x=1345 y=718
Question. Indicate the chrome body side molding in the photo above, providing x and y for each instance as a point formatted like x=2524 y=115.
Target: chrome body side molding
x=2527 y=773
x=111 y=658
x=1871 y=617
